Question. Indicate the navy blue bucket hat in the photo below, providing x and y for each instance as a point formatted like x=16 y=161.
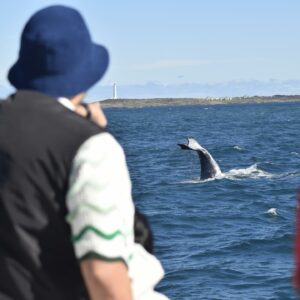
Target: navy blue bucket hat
x=57 y=56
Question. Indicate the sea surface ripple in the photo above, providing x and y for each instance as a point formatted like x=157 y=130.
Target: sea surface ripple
x=217 y=239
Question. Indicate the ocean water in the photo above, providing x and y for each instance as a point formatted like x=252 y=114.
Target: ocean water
x=215 y=238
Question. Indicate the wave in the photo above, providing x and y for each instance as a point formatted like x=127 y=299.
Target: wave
x=238 y=148
x=251 y=172
x=288 y=175
x=196 y=180
x=272 y=240
x=272 y=211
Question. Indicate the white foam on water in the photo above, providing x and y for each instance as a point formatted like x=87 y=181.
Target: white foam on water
x=198 y=180
x=191 y=181
x=234 y=174
x=272 y=211
x=237 y=148
x=250 y=172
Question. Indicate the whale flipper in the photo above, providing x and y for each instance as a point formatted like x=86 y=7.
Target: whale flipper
x=209 y=167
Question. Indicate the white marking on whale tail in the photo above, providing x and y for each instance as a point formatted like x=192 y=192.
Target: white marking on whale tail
x=194 y=145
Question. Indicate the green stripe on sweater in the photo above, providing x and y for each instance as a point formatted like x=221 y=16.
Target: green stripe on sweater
x=87 y=228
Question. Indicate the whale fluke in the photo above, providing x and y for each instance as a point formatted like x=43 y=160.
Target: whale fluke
x=184 y=147
x=209 y=167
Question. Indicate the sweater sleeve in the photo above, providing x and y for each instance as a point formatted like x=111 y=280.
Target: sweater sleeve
x=99 y=202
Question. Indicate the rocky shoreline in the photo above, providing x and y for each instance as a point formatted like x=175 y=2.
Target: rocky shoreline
x=140 y=103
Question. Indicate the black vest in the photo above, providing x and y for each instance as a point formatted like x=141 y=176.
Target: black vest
x=38 y=141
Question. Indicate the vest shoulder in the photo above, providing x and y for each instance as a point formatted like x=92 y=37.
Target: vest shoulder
x=53 y=119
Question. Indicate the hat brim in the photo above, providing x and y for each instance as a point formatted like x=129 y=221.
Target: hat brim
x=72 y=82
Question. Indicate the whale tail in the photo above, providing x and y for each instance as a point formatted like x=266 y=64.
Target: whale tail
x=191 y=144
x=184 y=147
x=209 y=167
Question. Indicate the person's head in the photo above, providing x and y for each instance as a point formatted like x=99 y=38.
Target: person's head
x=57 y=56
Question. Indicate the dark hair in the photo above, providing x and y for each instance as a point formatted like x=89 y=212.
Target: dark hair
x=142 y=231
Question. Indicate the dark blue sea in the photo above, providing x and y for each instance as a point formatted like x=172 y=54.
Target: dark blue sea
x=216 y=238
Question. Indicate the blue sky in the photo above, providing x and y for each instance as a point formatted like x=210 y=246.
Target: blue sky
x=171 y=43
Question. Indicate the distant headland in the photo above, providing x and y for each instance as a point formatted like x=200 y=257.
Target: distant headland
x=140 y=103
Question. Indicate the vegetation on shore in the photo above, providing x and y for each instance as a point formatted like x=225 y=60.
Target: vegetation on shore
x=139 y=103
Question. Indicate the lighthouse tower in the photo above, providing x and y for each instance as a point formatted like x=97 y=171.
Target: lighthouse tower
x=115 y=91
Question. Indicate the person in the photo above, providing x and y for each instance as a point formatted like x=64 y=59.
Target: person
x=66 y=211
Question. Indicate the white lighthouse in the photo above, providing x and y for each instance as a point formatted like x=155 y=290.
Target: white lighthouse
x=115 y=91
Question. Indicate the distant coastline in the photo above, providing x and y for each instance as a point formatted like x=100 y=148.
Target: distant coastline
x=140 y=103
